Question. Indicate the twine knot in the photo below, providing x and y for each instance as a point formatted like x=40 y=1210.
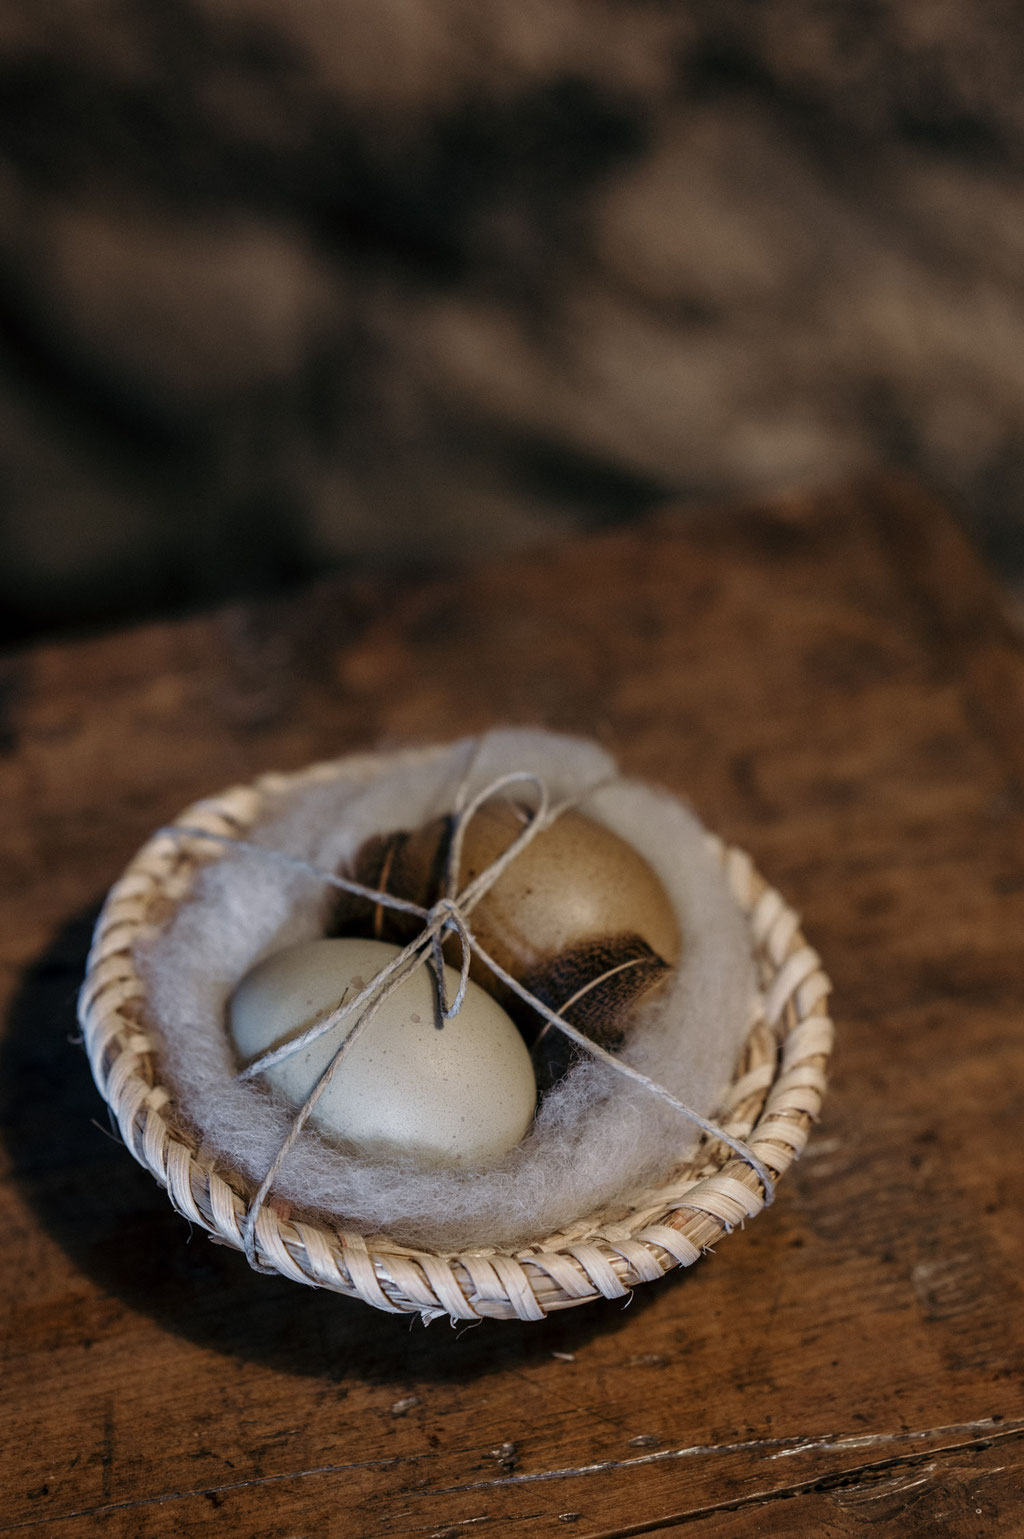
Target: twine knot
x=446 y=917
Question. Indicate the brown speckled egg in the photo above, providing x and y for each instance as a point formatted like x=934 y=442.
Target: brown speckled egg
x=577 y=903
x=577 y=883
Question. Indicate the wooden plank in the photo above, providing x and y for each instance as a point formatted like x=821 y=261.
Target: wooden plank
x=941 y=1490
x=812 y=674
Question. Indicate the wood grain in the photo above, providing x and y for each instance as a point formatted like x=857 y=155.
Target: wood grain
x=831 y=681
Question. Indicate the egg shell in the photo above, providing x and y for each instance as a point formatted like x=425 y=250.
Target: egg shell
x=458 y=1096
x=575 y=885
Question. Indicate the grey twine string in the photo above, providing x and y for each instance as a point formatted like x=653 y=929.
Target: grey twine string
x=448 y=915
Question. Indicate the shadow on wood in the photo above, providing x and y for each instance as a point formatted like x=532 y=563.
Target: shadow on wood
x=118 y=1229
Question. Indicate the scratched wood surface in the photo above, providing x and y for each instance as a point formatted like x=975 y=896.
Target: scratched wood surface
x=831 y=682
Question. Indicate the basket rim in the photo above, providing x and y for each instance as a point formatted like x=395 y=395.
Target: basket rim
x=774 y=1097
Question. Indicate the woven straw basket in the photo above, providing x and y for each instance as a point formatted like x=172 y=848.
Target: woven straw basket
x=775 y=1095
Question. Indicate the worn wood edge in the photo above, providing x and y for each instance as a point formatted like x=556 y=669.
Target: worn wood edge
x=774 y=1099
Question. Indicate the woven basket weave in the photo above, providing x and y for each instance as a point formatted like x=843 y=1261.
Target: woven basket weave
x=774 y=1097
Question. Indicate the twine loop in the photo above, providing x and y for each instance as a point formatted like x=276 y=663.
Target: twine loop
x=447 y=916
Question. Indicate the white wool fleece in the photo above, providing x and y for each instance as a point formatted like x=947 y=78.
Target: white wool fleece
x=596 y=1139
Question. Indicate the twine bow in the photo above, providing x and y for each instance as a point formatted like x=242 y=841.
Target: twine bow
x=448 y=915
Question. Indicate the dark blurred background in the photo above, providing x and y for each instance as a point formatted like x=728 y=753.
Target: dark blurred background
x=291 y=287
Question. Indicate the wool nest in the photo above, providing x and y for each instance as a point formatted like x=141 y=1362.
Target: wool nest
x=612 y=1184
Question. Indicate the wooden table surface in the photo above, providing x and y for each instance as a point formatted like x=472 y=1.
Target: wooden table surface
x=830 y=680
